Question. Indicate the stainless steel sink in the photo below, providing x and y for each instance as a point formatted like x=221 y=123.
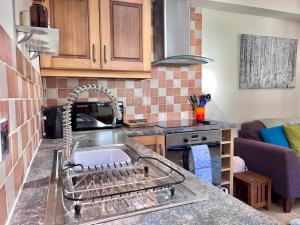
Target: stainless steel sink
x=104 y=194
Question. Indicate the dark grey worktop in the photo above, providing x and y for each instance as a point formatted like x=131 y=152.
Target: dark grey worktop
x=219 y=209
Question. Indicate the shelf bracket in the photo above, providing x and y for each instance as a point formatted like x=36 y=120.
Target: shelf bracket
x=33 y=54
x=23 y=36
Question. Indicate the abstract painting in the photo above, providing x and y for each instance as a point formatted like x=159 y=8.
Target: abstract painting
x=267 y=62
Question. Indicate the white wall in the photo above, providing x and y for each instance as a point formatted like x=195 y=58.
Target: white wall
x=292 y=6
x=221 y=41
x=7 y=17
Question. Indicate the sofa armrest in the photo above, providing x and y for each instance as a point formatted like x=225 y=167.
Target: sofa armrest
x=279 y=163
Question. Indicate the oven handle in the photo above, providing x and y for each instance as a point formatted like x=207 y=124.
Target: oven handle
x=184 y=147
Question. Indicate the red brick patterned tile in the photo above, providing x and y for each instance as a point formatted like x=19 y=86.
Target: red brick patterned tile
x=154 y=100
x=24 y=131
x=196 y=17
x=170 y=108
x=137 y=84
x=161 y=75
x=162 y=83
x=24 y=89
x=63 y=93
x=12 y=83
x=4 y=110
x=8 y=164
x=138 y=100
x=154 y=74
x=198 y=25
x=14 y=147
x=191 y=83
x=51 y=83
x=177 y=99
x=121 y=92
x=176 y=91
x=51 y=102
x=28 y=70
x=129 y=93
x=20 y=61
x=162 y=100
x=162 y=108
x=147 y=109
x=154 y=91
x=19 y=174
x=184 y=83
x=138 y=109
x=170 y=91
x=169 y=83
x=120 y=84
x=146 y=84
x=18 y=113
x=177 y=75
x=184 y=75
x=130 y=101
x=62 y=83
x=147 y=92
x=29 y=108
x=112 y=83
x=3 y=204
x=198 y=75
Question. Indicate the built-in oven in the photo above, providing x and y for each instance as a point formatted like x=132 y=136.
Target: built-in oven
x=94 y=115
x=179 y=145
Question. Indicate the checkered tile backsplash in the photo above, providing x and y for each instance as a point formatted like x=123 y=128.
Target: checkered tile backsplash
x=21 y=98
x=163 y=97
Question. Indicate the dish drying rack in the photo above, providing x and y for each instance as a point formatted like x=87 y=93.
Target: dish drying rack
x=118 y=181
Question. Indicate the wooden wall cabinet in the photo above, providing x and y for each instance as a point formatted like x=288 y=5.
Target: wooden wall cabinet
x=100 y=38
x=125 y=38
x=77 y=21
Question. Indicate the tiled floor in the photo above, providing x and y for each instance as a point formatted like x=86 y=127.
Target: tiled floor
x=277 y=213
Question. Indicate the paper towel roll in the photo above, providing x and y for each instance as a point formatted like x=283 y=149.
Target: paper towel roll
x=238 y=164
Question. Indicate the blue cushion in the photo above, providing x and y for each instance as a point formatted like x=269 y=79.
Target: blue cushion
x=275 y=136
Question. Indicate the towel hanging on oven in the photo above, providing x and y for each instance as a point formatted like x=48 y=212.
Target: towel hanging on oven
x=202 y=162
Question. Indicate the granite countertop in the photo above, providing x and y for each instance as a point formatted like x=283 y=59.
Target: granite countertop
x=220 y=208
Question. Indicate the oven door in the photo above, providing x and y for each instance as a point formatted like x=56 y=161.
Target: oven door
x=179 y=155
x=182 y=156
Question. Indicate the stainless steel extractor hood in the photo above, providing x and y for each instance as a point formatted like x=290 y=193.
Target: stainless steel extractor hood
x=171 y=34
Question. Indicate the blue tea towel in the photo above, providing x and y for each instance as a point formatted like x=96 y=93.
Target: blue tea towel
x=202 y=162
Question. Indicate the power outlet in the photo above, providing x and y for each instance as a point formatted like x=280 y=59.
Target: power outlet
x=4 y=142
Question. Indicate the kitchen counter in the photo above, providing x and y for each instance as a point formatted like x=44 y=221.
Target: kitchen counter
x=220 y=208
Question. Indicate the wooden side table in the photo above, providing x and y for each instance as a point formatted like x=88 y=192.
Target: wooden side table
x=252 y=188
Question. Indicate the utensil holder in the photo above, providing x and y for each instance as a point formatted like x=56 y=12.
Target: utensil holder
x=200 y=113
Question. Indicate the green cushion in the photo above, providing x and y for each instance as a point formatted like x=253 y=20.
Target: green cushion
x=292 y=133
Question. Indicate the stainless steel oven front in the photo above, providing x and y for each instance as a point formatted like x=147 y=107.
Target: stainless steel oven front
x=178 y=149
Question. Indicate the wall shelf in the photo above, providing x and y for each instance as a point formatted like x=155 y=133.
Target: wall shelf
x=39 y=40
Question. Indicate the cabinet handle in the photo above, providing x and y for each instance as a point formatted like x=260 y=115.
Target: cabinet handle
x=94 y=53
x=161 y=150
x=104 y=52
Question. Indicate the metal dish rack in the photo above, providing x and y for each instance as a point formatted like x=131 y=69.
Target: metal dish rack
x=106 y=183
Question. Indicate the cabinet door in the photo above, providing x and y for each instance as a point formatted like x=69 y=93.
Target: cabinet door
x=126 y=34
x=79 y=44
x=154 y=142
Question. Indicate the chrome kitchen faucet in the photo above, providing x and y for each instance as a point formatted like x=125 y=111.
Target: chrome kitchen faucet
x=67 y=122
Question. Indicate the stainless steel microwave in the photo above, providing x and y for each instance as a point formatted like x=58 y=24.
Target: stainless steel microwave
x=94 y=115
